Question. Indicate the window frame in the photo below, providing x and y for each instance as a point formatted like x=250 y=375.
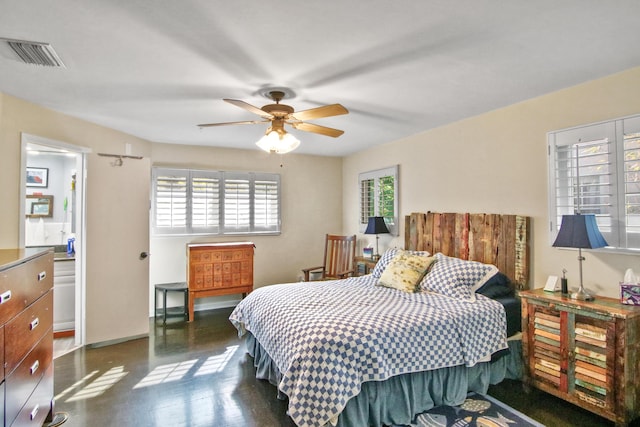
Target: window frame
x=614 y=211
x=268 y=195
x=377 y=176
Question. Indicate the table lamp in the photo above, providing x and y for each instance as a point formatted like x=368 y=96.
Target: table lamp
x=581 y=232
x=376 y=226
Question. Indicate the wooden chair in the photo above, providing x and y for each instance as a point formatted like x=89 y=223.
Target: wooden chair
x=339 y=255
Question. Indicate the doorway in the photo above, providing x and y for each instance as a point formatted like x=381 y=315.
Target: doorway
x=55 y=171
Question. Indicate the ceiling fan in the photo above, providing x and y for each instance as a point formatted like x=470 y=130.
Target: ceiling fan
x=276 y=138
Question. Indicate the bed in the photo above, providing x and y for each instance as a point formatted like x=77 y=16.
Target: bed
x=354 y=353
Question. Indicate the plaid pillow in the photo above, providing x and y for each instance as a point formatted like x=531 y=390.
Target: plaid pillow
x=386 y=257
x=457 y=278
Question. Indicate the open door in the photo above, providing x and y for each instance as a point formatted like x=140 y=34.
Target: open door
x=117 y=241
x=66 y=167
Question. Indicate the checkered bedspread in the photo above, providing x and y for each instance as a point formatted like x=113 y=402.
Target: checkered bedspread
x=327 y=338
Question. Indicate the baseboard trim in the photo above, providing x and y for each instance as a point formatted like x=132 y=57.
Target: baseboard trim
x=201 y=306
x=214 y=305
x=116 y=341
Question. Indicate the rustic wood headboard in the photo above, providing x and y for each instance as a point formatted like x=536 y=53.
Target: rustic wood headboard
x=501 y=240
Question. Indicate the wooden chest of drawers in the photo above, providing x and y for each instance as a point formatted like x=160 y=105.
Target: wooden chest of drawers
x=218 y=269
x=26 y=336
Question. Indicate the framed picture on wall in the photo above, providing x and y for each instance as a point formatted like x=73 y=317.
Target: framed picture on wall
x=41 y=209
x=37 y=177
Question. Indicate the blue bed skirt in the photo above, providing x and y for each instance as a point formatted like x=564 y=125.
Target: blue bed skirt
x=399 y=399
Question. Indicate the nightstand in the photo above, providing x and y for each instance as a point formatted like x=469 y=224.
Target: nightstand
x=587 y=353
x=364 y=265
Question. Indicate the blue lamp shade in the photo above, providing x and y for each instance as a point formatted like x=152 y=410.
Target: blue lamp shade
x=579 y=231
x=376 y=225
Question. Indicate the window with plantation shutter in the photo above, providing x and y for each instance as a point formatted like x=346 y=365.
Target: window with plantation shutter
x=189 y=201
x=595 y=169
x=379 y=197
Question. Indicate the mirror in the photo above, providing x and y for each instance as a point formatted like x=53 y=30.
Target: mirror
x=39 y=206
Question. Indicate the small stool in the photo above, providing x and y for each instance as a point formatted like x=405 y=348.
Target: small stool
x=170 y=287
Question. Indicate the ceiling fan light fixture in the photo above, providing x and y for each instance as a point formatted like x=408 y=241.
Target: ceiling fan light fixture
x=278 y=141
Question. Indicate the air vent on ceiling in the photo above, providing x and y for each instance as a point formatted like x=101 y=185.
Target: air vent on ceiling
x=35 y=52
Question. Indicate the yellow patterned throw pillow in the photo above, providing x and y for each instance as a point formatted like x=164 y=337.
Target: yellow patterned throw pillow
x=405 y=271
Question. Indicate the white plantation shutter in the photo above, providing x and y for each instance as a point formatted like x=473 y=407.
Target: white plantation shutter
x=584 y=156
x=170 y=200
x=595 y=190
x=266 y=200
x=214 y=202
x=367 y=200
x=237 y=204
x=632 y=183
x=205 y=202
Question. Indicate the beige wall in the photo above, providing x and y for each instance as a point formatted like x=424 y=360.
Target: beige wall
x=17 y=117
x=497 y=162
x=311 y=199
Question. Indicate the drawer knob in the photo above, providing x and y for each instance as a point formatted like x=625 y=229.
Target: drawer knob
x=34 y=324
x=5 y=297
x=34 y=412
x=34 y=367
x=42 y=275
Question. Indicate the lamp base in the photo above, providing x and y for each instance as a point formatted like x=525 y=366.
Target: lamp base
x=581 y=295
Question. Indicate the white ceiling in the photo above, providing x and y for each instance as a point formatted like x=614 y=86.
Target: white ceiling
x=157 y=68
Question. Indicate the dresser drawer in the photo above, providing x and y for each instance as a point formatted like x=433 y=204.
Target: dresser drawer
x=24 y=283
x=2 y=394
x=39 y=405
x=1 y=354
x=26 y=329
x=24 y=379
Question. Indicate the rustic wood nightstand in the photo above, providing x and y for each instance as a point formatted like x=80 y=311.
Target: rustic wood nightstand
x=364 y=265
x=587 y=353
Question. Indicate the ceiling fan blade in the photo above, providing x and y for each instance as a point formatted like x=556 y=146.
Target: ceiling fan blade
x=249 y=107
x=322 y=130
x=247 y=122
x=319 y=112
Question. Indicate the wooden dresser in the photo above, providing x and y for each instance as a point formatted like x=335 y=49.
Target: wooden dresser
x=587 y=353
x=219 y=269
x=26 y=336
